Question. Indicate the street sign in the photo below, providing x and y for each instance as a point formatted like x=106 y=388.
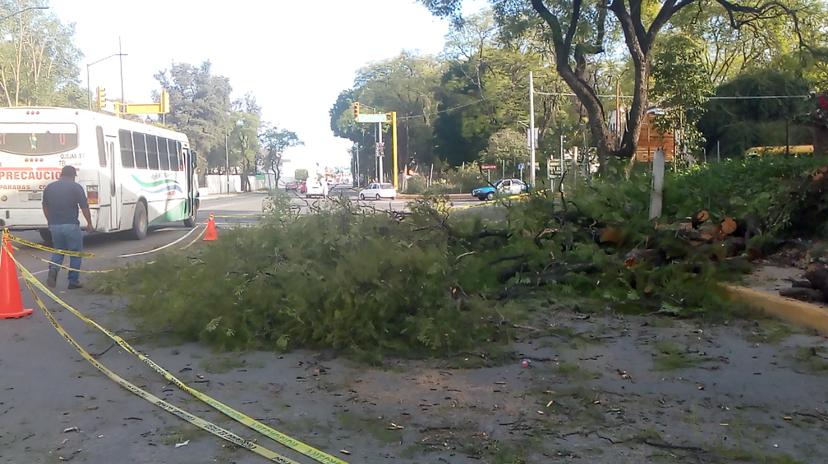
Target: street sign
x=372 y=118
x=488 y=167
x=553 y=167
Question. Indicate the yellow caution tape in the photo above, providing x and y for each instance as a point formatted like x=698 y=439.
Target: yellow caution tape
x=79 y=254
x=195 y=239
x=238 y=416
x=171 y=408
x=90 y=271
x=239 y=216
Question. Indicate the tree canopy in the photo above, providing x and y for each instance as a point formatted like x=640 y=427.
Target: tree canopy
x=38 y=58
x=580 y=34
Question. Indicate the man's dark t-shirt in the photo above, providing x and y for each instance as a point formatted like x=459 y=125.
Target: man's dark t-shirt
x=62 y=198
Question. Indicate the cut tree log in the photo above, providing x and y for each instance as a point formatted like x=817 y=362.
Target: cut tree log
x=699 y=217
x=804 y=294
x=728 y=226
x=817 y=274
x=612 y=235
x=651 y=257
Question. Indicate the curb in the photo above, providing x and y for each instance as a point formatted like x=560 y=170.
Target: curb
x=794 y=311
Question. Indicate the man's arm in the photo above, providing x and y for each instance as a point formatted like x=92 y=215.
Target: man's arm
x=84 y=207
x=88 y=216
x=45 y=205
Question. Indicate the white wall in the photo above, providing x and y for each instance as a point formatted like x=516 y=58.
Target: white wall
x=217 y=184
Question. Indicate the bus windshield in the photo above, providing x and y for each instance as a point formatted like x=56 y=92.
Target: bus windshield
x=38 y=138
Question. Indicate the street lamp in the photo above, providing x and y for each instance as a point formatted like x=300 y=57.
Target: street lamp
x=23 y=11
x=89 y=65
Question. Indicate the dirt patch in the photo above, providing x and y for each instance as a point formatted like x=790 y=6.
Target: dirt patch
x=574 y=387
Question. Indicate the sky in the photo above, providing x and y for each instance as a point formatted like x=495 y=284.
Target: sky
x=293 y=56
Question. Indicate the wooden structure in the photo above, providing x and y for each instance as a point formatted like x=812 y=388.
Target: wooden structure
x=651 y=139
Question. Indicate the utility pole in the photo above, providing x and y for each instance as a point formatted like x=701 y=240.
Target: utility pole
x=379 y=151
x=121 y=65
x=394 y=147
x=227 y=161
x=356 y=145
x=531 y=131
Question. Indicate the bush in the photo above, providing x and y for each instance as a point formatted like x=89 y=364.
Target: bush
x=435 y=282
x=365 y=283
x=415 y=185
x=464 y=179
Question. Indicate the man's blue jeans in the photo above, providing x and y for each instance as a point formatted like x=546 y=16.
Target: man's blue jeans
x=67 y=237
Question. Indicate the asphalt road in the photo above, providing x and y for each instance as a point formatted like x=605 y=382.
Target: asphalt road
x=55 y=407
x=113 y=250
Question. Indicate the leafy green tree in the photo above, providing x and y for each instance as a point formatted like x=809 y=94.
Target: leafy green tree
x=199 y=105
x=485 y=90
x=506 y=145
x=681 y=88
x=405 y=84
x=244 y=137
x=579 y=32
x=274 y=142
x=736 y=124
x=300 y=174
x=38 y=58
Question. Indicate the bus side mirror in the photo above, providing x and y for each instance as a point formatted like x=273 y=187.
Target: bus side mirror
x=194 y=157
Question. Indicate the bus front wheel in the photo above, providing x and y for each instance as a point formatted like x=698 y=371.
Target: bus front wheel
x=139 y=221
x=191 y=221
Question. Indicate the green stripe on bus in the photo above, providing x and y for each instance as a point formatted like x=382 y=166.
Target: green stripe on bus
x=176 y=213
x=154 y=183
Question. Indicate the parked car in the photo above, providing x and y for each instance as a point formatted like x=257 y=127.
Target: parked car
x=377 y=191
x=303 y=187
x=316 y=189
x=291 y=185
x=501 y=187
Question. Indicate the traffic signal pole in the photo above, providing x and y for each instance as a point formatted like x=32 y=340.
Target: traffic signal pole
x=379 y=152
x=394 y=147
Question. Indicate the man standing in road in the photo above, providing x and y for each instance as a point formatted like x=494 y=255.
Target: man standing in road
x=61 y=201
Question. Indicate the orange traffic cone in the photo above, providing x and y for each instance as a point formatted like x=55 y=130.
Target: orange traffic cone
x=11 y=301
x=211 y=234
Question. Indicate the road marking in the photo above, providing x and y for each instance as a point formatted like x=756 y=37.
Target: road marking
x=273 y=434
x=159 y=248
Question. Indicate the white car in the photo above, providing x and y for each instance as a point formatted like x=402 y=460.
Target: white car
x=316 y=189
x=377 y=191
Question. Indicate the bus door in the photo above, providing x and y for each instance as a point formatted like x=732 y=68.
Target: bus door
x=189 y=168
x=108 y=200
x=114 y=191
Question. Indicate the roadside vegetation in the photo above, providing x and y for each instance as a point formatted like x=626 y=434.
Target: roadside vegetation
x=436 y=281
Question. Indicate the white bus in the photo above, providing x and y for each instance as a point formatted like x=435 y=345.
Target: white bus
x=135 y=175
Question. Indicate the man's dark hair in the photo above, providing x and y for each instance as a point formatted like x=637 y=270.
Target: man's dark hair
x=68 y=171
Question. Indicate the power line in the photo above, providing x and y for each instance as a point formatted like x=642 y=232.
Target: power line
x=742 y=97
x=404 y=118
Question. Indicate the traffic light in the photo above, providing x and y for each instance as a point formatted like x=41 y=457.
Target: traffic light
x=356 y=110
x=164 y=107
x=100 y=97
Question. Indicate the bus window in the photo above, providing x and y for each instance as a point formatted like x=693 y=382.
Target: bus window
x=101 y=147
x=140 y=145
x=163 y=154
x=179 y=163
x=171 y=152
x=127 y=158
x=38 y=138
x=152 y=152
